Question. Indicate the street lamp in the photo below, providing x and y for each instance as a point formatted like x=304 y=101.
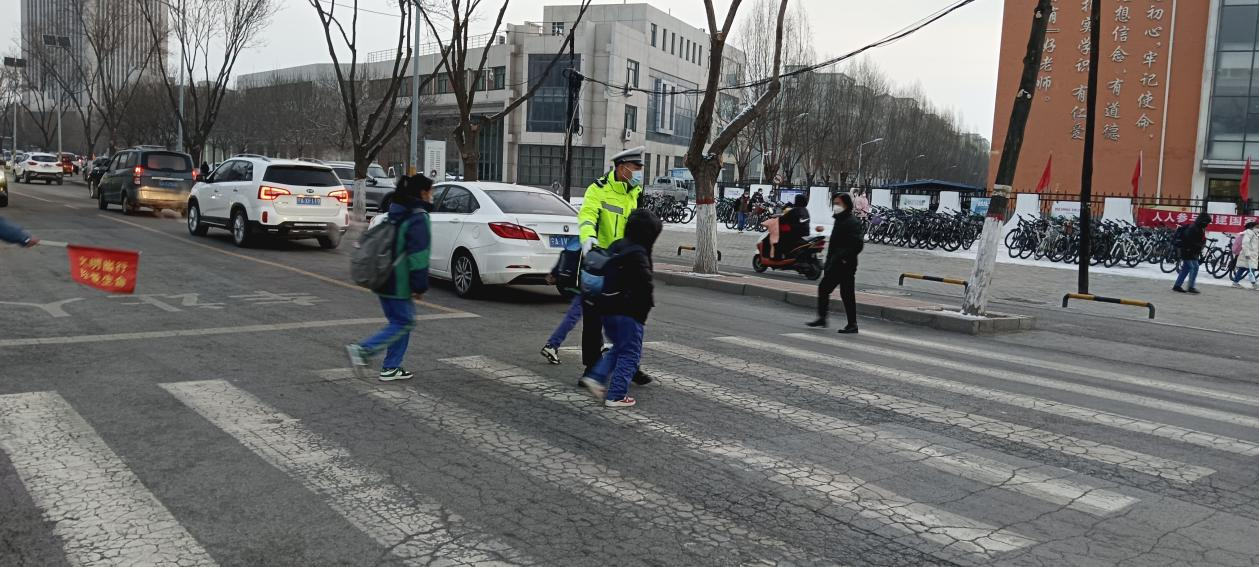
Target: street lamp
x=859 y=158
x=62 y=41
x=910 y=162
x=15 y=63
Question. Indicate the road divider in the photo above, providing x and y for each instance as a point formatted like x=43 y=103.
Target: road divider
x=692 y=248
x=1100 y=299
x=965 y=284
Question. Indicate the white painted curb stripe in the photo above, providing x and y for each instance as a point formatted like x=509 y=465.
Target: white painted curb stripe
x=1127 y=423
x=954 y=532
x=1065 y=444
x=413 y=527
x=1041 y=382
x=101 y=512
x=605 y=486
x=1160 y=385
x=1045 y=484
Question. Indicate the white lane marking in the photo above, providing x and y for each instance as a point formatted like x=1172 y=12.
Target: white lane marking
x=1045 y=483
x=583 y=476
x=1108 y=419
x=1065 y=444
x=74 y=339
x=25 y=196
x=1063 y=367
x=1041 y=381
x=413 y=527
x=954 y=532
x=101 y=512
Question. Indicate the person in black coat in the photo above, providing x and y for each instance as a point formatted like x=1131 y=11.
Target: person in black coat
x=793 y=227
x=1192 y=241
x=841 y=264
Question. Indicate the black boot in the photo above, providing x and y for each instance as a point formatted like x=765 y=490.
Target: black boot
x=641 y=378
x=849 y=330
x=820 y=322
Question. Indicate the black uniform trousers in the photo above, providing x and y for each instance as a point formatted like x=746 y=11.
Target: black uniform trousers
x=842 y=275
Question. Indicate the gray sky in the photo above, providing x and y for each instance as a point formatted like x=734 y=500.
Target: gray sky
x=954 y=60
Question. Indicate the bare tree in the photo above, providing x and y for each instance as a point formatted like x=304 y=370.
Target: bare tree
x=771 y=129
x=704 y=159
x=466 y=81
x=210 y=35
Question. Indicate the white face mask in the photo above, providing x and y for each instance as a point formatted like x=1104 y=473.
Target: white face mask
x=637 y=177
x=837 y=209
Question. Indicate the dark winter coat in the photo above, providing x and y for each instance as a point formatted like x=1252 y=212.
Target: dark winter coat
x=847 y=239
x=1194 y=238
x=632 y=291
x=411 y=275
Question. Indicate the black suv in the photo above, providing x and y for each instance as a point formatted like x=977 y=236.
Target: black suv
x=145 y=177
x=92 y=174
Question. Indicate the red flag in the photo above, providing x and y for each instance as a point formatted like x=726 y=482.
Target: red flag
x=1136 y=177
x=105 y=269
x=1245 y=186
x=1046 y=176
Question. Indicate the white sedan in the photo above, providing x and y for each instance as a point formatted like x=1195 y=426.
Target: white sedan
x=497 y=234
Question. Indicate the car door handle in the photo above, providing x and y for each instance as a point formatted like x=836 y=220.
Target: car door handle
x=455 y=220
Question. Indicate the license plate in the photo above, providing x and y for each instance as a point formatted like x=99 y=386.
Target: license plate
x=164 y=184
x=561 y=241
x=308 y=200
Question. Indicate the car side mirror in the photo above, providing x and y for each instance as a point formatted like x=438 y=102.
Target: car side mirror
x=372 y=181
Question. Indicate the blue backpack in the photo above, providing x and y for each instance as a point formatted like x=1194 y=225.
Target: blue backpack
x=594 y=269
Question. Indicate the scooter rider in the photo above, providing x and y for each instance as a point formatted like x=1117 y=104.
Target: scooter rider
x=793 y=227
x=605 y=209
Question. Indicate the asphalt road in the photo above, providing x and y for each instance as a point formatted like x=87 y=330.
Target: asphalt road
x=209 y=419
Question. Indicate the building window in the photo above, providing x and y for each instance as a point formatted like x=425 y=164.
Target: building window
x=631 y=73
x=670 y=113
x=673 y=44
x=542 y=165
x=699 y=55
x=499 y=76
x=689 y=47
x=631 y=118
x=664 y=40
x=653 y=35
x=1234 y=123
x=546 y=109
x=557 y=28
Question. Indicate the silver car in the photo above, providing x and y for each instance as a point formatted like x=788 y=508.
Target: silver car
x=379 y=184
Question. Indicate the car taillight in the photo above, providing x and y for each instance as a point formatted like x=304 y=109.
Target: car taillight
x=139 y=170
x=513 y=231
x=195 y=175
x=30 y=163
x=340 y=195
x=271 y=193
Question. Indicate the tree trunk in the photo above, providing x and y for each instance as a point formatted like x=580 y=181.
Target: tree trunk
x=706 y=216
x=467 y=137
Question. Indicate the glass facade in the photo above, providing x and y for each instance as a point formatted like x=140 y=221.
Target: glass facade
x=1234 y=124
x=670 y=114
x=490 y=142
x=542 y=165
x=546 y=109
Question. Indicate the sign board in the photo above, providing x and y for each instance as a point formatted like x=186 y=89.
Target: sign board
x=881 y=198
x=979 y=205
x=731 y=192
x=1065 y=209
x=950 y=201
x=1219 y=223
x=915 y=202
x=434 y=158
x=788 y=194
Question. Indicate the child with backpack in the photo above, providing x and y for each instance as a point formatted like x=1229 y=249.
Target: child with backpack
x=564 y=274
x=624 y=300
x=404 y=282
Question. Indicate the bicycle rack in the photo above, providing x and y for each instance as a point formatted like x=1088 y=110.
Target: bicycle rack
x=1100 y=299
x=965 y=284
x=692 y=248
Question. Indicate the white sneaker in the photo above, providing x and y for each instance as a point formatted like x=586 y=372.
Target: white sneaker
x=358 y=358
x=621 y=403
x=1237 y=285
x=606 y=347
x=551 y=354
x=596 y=389
x=391 y=374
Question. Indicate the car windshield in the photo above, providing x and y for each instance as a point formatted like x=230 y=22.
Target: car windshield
x=345 y=173
x=376 y=171
x=530 y=203
x=300 y=175
x=172 y=162
x=45 y=159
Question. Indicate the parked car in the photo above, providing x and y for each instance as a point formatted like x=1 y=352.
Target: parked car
x=497 y=234
x=38 y=165
x=158 y=179
x=379 y=183
x=12 y=165
x=92 y=175
x=4 y=188
x=251 y=196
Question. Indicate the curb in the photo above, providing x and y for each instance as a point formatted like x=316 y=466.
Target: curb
x=932 y=316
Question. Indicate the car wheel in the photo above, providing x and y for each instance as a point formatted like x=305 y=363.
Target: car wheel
x=91 y=190
x=329 y=242
x=60 y=181
x=100 y=200
x=195 y=227
x=466 y=278
x=4 y=201
x=127 y=207
x=242 y=235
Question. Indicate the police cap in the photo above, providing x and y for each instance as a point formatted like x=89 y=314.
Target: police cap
x=632 y=155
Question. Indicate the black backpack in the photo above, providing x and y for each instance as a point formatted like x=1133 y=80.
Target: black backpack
x=1178 y=237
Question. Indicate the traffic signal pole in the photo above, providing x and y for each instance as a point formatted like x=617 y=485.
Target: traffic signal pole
x=1090 y=135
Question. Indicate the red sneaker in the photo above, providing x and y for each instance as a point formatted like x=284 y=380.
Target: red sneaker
x=621 y=403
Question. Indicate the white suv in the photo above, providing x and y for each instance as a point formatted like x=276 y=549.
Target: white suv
x=252 y=195
x=38 y=166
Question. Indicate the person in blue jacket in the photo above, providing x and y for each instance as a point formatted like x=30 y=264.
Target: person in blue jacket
x=13 y=234
x=412 y=202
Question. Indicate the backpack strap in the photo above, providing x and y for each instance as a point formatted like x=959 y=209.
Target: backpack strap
x=401 y=279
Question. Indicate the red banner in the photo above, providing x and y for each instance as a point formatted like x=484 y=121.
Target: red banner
x=1219 y=223
x=105 y=269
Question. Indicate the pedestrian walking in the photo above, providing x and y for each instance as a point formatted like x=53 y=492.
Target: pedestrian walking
x=742 y=208
x=625 y=302
x=14 y=234
x=605 y=211
x=565 y=275
x=408 y=210
x=861 y=203
x=841 y=264
x=1248 y=256
x=205 y=170
x=1192 y=240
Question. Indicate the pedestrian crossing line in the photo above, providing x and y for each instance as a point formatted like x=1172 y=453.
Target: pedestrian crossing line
x=606 y=486
x=1045 y=382
x=1032 y=437
x=1046 y=484
x=101 y=512
x=412 y=527
x=1160 y=385
x=1043 y=405
x=955 y=533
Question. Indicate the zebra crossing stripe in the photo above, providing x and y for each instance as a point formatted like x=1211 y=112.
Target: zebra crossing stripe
x=1032 y=437
x=607 y=487
x=101 y=512
x=1046 y=484
x=1100 y=417
x=1050 y=383
x=898 y=515
x=413 y=528
x=1159 y=385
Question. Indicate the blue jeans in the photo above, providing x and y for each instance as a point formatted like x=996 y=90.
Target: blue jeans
x=1188 y=268
x=571 y=317
x=395 y=337
x=743 y=219
x=615 y=368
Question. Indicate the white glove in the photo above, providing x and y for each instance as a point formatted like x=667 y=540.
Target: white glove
x=588 y=244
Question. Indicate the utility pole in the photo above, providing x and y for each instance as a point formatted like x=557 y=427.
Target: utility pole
x=574 y=88
x=976 y=302
x=15 y=63
x=860 y=149
x=414 y=166
x=1086 y=171
x=179 y=124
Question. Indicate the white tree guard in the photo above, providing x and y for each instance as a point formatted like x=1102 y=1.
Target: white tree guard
x=976 y=302
x=706 y=238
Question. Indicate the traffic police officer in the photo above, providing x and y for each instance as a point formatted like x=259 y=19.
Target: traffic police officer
x=605 y=208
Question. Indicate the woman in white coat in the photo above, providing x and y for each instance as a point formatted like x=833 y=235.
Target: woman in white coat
x=1248 y=259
